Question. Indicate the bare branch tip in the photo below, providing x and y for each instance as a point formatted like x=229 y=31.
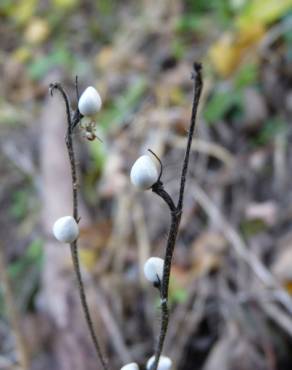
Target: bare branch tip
x=160 y=163
x=51 y=89
x=53 y=86
x=198 y=66
x=77 y=87
x=197 y=70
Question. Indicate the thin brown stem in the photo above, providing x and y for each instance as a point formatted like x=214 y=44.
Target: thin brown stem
x=75 y=258
x=74 y=245
x=77 y=88
x=198 y=85
x=176 y=212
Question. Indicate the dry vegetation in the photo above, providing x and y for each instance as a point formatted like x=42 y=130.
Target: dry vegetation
x=231 y=282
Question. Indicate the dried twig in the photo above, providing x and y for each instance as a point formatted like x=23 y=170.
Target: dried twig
x=71 y=124
x=142 y=238
x=13 y=314
x=186 y=318
x=175 y=211
x=263 y=274
x=205 y=147
x=112 y=328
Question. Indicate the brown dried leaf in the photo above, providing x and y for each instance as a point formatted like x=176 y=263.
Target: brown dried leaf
x=207 y=252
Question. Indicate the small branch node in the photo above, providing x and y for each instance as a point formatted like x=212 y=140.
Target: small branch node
x=163 y=301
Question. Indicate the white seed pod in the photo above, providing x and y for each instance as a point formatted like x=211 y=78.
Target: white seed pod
x=131 y=366
x=153 y=269
x=163 y=364
x=66 y=229
x=89 y=102
x=144 y=173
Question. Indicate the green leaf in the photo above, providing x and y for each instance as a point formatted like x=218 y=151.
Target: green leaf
x=35 y=250
x=40 y=67
x=98 y=154
x=188 y=23
x=20 y=204
x=246 y=76
x=271 y=128
x=263 y=11
x=179 y=296
x=220 y=103
x=33 y=256
x=125 y=104
x=251 y=228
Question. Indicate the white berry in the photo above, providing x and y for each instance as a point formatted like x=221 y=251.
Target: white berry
x=144 y=173
x=153 y=269
x=163 y=364
x=66 y=230
x=90 y=102
x=131 y=366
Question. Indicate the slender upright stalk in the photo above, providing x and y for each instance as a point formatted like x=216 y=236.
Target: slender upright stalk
x=198 y=85
x=176 y=211
x=71 y=123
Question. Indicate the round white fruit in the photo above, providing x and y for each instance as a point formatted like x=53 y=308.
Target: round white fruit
x=131 y=366
x=66 y=229
x=89 y=102
x=163 y=364
x=153 y=269
x=144 y=173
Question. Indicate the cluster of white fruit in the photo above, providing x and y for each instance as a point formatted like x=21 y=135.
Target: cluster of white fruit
x=163 y=364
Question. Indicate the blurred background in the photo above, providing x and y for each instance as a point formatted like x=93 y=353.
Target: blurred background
x=231 y=284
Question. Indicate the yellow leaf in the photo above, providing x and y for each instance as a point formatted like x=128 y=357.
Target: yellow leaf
x=176 y=95
x=104 y=57
x=65 y=4
x=22 y=54
x=249 y=36
x=37 y=31
x=93 y=239
x=88 y=258
x=263 y=11
x=24 y=10
x=227 y=53
x=207 y=252
x=288 y=286
x=224 y=56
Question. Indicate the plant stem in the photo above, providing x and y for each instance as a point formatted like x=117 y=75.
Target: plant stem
x=176 y=212
x=198 y=85
x=74 y=246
